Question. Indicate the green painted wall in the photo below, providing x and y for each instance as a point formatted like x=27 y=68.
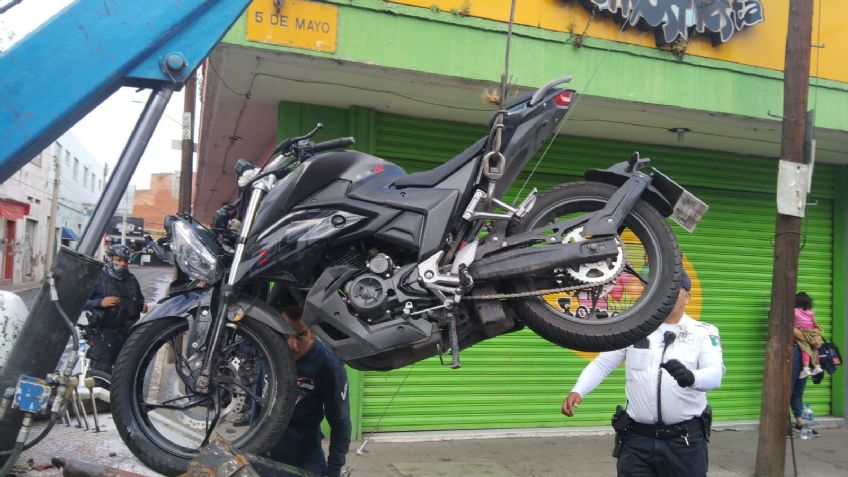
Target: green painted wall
x=840 y=279
x=383 y=34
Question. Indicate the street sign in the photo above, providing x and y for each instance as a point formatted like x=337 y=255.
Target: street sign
x=298 y=24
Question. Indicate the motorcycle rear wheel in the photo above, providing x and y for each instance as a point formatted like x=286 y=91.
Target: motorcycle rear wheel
x=147 y=387
x=645 y=297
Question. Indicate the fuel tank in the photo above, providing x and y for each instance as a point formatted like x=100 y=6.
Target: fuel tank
x=310 y=208
x=315 y=174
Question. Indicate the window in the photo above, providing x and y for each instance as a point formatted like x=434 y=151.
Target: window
x=36 y=161
x=76 y=169
x=85 y=176
x=93 y=179
x=68 y=158
x=99 y=184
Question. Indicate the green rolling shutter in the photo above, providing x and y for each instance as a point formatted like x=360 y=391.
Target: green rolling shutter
x=519 y=380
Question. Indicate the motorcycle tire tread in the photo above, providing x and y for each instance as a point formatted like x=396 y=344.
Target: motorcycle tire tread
x=169 y=464
x=568 y=334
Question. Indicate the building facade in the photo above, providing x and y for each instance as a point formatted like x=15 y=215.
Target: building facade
x=81 y=181
x=152 y=205
x=24 y=210
x=26 y=201
x=700 y=93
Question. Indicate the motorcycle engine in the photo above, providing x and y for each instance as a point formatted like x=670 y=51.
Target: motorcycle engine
x=383 y=290
x=368 y=295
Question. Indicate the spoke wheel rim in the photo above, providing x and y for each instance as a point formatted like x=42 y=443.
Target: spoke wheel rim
x=638 y=226
x=139 y=404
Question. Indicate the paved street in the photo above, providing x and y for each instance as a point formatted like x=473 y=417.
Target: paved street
x=153 y=281
x=575 y=452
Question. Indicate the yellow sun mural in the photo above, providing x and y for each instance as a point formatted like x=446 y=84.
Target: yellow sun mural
x=625 y=291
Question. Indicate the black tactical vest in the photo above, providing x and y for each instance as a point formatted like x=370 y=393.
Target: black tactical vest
x=129 y=310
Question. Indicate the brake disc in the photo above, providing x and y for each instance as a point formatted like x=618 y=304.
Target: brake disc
x=197 y=419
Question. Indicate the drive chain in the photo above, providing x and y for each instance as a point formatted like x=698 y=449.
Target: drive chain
x=547 y=291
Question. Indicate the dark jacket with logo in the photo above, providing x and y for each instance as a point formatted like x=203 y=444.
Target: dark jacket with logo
x=322 y=390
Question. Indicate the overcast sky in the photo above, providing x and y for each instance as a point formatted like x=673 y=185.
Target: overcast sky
x=105 y=130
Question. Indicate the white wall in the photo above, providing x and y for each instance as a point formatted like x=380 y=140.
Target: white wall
x=81 y=182
x=31 y=184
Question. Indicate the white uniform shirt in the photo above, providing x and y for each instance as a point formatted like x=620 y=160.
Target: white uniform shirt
x=697 y=345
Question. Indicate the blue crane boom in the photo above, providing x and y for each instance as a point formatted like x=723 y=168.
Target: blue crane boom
x=63 y=70
x=49 y=81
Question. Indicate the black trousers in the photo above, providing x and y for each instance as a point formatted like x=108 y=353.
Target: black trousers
x=105 y=348
x=643 y=456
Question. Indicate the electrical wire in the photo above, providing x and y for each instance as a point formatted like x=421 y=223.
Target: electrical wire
x=380 y=420
x=625 y=22
x=819 y=47
x=374 y=90
x=9 y=5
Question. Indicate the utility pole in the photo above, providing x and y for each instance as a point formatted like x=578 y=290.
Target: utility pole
x=188 y=145
x=774 y=412
x=124 y=221
x=54 y=210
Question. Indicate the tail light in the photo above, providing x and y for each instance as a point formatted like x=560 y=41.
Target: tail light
x=563 y=100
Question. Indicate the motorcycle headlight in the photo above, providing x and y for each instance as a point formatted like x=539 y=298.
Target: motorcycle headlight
x=192 y=255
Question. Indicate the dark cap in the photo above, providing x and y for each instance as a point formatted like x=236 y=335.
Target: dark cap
x=685 y=281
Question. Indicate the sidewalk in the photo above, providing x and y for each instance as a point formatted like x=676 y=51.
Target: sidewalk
x=21 y=287
x=575 y=452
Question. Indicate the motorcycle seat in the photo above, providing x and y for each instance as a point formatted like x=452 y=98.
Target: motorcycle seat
x=434 y=176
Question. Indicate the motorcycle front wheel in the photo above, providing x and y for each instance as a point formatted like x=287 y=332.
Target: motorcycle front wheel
x=164 y=422
x=615 y=302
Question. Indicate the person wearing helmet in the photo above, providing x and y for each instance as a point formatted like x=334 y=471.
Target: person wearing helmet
x=114 y=306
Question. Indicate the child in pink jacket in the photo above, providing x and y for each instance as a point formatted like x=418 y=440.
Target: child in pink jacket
x=807 y=327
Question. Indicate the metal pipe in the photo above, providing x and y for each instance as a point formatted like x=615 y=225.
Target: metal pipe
x=81 y=407
x=78 y=468
x=91 y=238
x=76 y=411
x=89 y=384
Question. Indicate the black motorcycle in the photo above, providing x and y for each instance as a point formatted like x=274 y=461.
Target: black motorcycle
x=391 y=268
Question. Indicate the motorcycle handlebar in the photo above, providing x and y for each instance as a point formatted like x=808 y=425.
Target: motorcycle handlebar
x=333 y=144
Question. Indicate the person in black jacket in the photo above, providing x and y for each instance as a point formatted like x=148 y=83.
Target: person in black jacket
x=322 y=390
x=114 y=306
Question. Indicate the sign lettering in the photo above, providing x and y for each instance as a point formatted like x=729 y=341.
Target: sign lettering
x=298 y=24
x=673 y=19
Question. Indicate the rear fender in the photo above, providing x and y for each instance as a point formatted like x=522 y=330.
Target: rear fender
x=669 y=198
x=617 y=175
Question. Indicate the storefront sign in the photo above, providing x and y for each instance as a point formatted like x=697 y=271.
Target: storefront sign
x=296 y=24
x=673 y=19
x=134 y=227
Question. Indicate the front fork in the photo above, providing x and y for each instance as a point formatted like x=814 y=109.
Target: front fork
x=226 y=294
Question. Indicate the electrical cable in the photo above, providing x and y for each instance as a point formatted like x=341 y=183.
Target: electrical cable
x=624 y=23
x=38 y=438
x=380 y=420
x=819 y=47
x=373 y=90
x=9 y=5
x=10 y=462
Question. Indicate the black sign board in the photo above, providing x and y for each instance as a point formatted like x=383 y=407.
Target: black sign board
x=135 y=227
x=673 y=19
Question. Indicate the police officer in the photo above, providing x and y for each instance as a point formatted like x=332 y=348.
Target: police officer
x=665 y=429
x=322 y=390
x=114 y=306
